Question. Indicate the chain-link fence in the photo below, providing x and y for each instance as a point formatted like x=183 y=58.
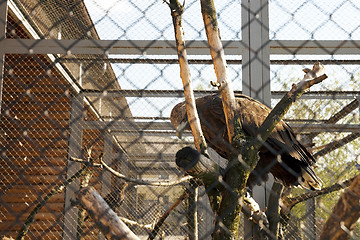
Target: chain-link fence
x=97 y=80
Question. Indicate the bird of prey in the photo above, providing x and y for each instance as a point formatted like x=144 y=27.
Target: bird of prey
x=282 y=154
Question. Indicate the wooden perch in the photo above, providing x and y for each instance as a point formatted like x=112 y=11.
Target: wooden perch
x=104 y=217
x=218 y=57
x=210 y=173
x=345 y=214
x=197 y=165
x=192 y=114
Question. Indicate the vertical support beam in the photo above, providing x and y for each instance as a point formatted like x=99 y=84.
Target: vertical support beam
x=256 y=55
x=108 y=158
x=256 y=76
x=106 y=183
x=310 y=225
x=76 y=122
x=3 y=22
x=310 y=222
x=358 y=98
x=192 y=211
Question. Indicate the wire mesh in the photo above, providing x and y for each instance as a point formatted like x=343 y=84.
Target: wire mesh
x=61 y=101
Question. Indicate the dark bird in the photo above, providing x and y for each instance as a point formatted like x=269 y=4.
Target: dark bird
x=282 y=154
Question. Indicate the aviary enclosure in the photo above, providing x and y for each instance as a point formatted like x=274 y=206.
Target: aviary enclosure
x=87 y=88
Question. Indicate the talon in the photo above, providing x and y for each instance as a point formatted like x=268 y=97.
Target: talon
x=215 y=84
x=306 y=70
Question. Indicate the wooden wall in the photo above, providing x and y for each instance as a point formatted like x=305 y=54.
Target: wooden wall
x=34 y=133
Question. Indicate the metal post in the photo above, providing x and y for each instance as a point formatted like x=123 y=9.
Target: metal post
x=106 y=185
x=3 y=22
x=310 y=221
x=310 y=225
x=71 y=213
x=256 y=76
x=256 y=53
x=108 y=158
x=192 y=211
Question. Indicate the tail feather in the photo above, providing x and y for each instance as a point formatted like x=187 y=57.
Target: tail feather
x=309 y=180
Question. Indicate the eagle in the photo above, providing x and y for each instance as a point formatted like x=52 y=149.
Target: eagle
x=282 y=154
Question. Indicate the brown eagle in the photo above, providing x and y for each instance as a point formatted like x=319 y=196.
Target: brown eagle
x=282 y=154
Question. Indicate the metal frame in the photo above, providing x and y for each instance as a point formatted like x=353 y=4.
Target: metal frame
x=75 y=140
x=256 y=76
x=3 y=22
x=165 y=47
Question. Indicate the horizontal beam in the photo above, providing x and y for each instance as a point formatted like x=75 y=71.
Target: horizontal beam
x=320 y=128
x=129 y=125
x=200 y=93
x=163 y=47
x=205 y=61
x=146 y=157
x=315 y=47
x=119 y=128
x=106 y=47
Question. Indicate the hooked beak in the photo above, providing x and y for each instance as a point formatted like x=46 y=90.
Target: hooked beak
x=181 y=128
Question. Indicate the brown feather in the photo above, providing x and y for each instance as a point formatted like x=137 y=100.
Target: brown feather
x=282 y=154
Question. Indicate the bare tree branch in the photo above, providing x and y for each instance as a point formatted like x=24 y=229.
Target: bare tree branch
x=143 y=182
x=217 y=54
x=289 y=203
x=273 y=211
x=336 y=144
x=134 y=223
x=345 y=214
x=161 y=220
x=242 y=166
x=278 y=112
x=192 y=114
x=30 y=219
x=102 y=164
x=105 y=218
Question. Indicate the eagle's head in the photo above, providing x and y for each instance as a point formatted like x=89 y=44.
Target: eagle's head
x=178 y=118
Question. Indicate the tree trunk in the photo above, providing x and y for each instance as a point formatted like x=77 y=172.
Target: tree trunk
x=345 y=214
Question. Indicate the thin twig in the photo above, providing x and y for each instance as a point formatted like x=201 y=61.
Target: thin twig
x=102 y=164
x=143 y=182
x=90 y=164
x=291 y=202
x=25 y=228
x=161 y=220
x=134 y=223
